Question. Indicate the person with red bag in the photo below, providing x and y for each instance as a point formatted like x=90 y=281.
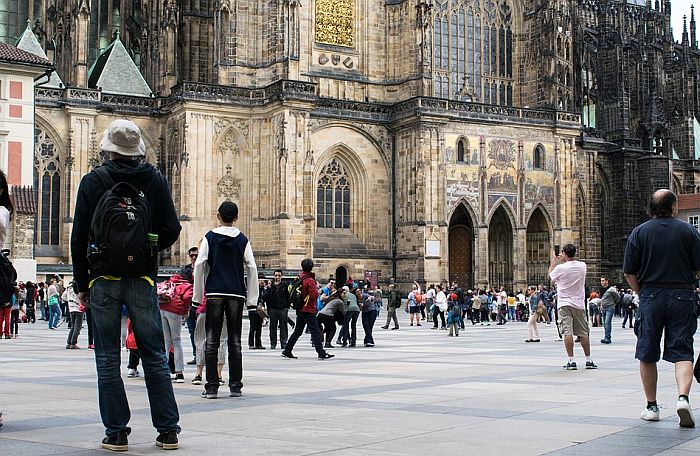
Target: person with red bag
x=171 y=311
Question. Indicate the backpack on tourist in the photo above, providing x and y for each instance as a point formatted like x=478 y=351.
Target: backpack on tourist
x=418 y=296
x=8 y=277
x=295 y=301
x=118 y=231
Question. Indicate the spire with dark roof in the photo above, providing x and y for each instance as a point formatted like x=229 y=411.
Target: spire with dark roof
x=116 y=73
x=28 y=42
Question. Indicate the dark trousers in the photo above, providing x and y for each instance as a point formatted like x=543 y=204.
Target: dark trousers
x=278 y=317
x=305 y=319
x=14 y=322
x=134 y=359
x=484 y=314
x=436 y=312
x=391 y=314
x=349 y=331
x=76 y=319
x=31 y=313
x=255 y=333
x=475 y=316
x=88 y=318
x=368 y=319
x=327 y=324
x=191 y=325
x=232 y=308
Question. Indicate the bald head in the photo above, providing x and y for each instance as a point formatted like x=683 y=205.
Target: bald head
x=663 y=203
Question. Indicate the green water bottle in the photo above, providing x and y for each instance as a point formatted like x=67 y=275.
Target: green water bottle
x=152 y=241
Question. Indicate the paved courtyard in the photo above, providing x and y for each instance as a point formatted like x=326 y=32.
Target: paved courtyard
x=418 y=392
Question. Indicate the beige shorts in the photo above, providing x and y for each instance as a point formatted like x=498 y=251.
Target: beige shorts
x=572 y=321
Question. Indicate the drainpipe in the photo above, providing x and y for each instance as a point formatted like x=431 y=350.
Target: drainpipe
x=393 y=206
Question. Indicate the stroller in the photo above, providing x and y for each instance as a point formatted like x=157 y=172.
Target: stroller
x=524 y=312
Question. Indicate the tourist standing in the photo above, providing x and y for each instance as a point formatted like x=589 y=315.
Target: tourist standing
x=440 y=307
x=112 y=283
x=225 y=260
x=662 y=260
x=415 y=299
x=187 y=272
x=609 y=299
x=393 y=303
x=370 y=310
x=70 y=295
x=54 y=301
x=255 y=318
x=333 y=310
x=278 y=310
x=569 y=275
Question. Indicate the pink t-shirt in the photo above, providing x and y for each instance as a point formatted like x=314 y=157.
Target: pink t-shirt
x=570 y=278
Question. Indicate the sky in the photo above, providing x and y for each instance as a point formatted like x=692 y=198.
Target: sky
x=678 y=9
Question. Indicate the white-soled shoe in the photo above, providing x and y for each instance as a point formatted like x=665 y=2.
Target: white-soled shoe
x=685 y=414
x=131 y=373
x=651 y=413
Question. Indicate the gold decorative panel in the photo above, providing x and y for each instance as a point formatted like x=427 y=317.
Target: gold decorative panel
x=335 y=22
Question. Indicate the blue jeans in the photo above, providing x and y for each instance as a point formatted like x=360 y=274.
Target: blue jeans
x=607 y=321
x=348 y=333
x=106 y=299
x=511 y=313
x=368 y=319
x=54 y=315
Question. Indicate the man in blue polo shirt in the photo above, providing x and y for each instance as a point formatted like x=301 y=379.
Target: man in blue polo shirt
x=662 y=260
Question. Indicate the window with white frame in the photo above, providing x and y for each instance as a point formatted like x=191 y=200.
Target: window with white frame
x=695 y=221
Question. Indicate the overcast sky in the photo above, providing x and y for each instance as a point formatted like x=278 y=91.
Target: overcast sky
x=678 y=9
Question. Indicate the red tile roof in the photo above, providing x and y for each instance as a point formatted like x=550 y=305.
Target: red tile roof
x=12 y=54
x=23 y=199
x=689 y=201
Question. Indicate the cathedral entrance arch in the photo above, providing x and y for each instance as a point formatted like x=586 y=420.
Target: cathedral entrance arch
x=461 y=248
x=341 y=276
x=501 y=250
x=538 y=248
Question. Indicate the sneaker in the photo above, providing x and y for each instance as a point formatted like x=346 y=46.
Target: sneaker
x=116 y=442
x=418 y=324
x=369 y=344
x=685 y=413
x=221 y=382
x=180 y=378
x=131 y=373
x=340 y=342
x=394 y=328
x=605 y=341
x=651 y=413
x=570 y=366
x=286 y=354
x=209 y=394
x=591 y=365
x=235 y=391
x=325 y=356
x=385 y=327
x=328 y=346
x=69 y=347
x=91 y=347
x=192 y=362
x=167 y=440
x=197 y=380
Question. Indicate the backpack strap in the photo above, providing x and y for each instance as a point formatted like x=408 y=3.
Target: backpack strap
x=104 y=176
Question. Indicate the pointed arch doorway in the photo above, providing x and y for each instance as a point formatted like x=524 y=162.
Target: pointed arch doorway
x=539 y=248
x=501 y=250
x=461 y=248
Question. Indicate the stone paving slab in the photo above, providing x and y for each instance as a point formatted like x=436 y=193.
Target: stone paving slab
x=417 y=392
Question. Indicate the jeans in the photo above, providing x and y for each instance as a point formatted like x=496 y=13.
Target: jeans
x=391 y=314
x=511 y=313
x=191 y=326
x=349 y=331
x=88 y=318
x=306 y=319
x=42 y=307
x=607 y=321
x=76 y=319
x=172 y=327
x=368 y=319
x=106 y=299
x=217 y=308
x=255 y=332
x=54 y=315
x=31 y=315
x=14 y=322
x=327 y=326
x=278 y=317
x=436 y=312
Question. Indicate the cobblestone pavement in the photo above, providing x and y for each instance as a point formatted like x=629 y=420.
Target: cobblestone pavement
x=417 y=392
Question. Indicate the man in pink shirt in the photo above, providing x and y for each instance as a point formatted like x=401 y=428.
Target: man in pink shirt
x=569 y=275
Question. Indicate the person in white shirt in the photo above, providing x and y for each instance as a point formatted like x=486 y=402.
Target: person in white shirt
x=569 y=275
x=440 y=307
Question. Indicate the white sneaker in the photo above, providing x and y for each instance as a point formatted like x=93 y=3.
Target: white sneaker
x=651 y=413
x=685 y=414
x=131 y=373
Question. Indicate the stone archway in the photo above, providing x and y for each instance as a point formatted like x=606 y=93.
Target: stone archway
x=538 y=248
x=501 y=250
x=461 y=248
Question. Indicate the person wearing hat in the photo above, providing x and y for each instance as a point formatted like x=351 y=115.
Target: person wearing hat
x=124 y=148
x=225 y=272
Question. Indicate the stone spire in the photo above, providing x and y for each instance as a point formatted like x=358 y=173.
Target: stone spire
x=693 y=36
x=29 y=42
x=684 y=38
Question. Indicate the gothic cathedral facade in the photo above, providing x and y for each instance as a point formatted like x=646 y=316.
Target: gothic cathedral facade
x=426 y=140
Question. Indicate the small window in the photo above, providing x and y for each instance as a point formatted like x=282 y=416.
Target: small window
x=538 y=158
x=695 y=221
x=460 y=150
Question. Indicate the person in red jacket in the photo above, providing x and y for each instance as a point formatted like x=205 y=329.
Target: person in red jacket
x=307 y=314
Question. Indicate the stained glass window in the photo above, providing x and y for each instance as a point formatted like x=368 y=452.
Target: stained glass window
x=333 y=197
x=48 y=167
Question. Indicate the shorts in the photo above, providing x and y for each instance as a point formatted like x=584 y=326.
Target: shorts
x=414 y=309
x=671 y=312
x=572 y=321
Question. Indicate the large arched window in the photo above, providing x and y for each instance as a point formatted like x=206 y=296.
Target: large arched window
x=473 y=39
x=462 y=146
x=48 y=186
x=538 y=159
x=333 y=197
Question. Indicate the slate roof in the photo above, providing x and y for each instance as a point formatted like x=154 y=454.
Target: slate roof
x=28 y=42
x=24 y=199
x=12 y=54
x=116 y=73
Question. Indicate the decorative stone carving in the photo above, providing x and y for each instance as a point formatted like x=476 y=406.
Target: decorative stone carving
x=502 y=153
x=229 y=145
x=335 y=58
x=335 y=22
x=323 y=59
x=348 y=63
x=229 y=186
x=223 y=123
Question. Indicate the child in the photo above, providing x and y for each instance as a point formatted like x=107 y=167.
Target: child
x=454 y=319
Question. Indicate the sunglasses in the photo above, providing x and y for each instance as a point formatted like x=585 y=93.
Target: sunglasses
x=193 y=255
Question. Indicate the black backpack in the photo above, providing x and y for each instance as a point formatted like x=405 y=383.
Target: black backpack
x=118 y=243
x=8 y=280
x=295 y=300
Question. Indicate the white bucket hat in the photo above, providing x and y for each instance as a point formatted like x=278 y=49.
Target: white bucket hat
x=123 y=137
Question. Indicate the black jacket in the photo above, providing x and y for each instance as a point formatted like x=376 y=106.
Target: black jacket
x=278 y=296
x=164 y=220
